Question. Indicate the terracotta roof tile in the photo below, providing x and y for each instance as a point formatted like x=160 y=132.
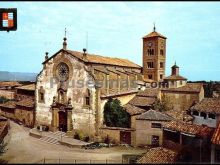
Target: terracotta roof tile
x=9 y=104
x=142 y=101
x=26 y=103
x=92 y=58
x=216 y=136
x=30 y=87
x=154 y=116
x=154 y=34
x=133 y=110
x=175 y=77
x=9 y=83
x=158 y=155
x=179 y=114
x=193 y=129
x=208 y=105
x=189 y=87
x=149 y=92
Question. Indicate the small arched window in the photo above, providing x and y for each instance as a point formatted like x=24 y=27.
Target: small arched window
x=87 y=98
x=41 y=93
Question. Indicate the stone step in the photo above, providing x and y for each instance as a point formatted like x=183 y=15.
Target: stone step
x=49 y=140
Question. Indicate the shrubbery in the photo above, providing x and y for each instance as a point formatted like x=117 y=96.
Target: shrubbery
x=115 y=115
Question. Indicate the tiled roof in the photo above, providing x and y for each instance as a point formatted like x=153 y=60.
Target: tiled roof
x=189 y=87
x=175 y=77
x=179 y=114
x=114 y=92
x=26 y=103
x=154 y=34
x=9 y=104
x=193 y=129
x=133 y=110
x=92 y=58
x=149 y=92
x=216 y=136
x=9 y=83
x=30 y=87
x=154 y=115
x=158 y=155
x=142 y=101
x=208 y=105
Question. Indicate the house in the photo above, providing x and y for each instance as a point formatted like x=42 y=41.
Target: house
x=206 y=112
x=192 y=141
x=7 y=89
x=22 y=108
x=159 y=155
x=215 y=154
x=149 y=128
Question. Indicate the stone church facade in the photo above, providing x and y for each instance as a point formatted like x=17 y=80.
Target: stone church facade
x=73 y=87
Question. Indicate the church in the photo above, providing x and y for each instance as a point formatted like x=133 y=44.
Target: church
x=73 y=87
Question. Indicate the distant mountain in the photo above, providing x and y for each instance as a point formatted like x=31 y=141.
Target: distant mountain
x=17 y=76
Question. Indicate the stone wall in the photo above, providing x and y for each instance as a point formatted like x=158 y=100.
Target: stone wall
x=144 y=133
x=25 y=116
x=76 y=88
x=182 y=100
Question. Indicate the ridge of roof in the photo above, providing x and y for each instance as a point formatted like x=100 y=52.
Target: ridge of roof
x=154 y=34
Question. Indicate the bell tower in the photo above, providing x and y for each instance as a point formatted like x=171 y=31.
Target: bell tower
x=154 y=56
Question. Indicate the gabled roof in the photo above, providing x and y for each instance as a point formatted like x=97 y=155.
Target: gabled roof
x=154 y=115
x=154 y=34
x=158 y=155
x=216 y=136
x=9 y=104
x=208 y=105
x=175 y=77
x=189 y=87
x=133 y=110
x=9 y=83
x=142 y=101
x=192 y=129
x=26 y=103
x=97 y=59
x=30 y=87
x=149 y=92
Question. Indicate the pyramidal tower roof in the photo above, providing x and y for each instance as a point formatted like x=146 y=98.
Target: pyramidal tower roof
x=154 y=34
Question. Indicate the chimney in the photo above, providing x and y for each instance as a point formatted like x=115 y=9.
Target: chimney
x=64 y=43
x=84 y=53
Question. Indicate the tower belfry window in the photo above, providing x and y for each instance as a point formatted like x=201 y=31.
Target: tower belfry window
x=150 y=51
x=150 y=65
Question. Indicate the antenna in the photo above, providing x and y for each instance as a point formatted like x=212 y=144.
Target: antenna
x=65 y=32
x=87 y=41
x=154 y=27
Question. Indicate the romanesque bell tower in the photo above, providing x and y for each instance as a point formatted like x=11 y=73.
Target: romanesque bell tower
x=154 y=56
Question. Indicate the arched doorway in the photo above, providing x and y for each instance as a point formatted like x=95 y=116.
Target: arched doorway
x=62 y=121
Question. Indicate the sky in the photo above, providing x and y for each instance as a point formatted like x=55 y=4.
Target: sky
x=115 y=29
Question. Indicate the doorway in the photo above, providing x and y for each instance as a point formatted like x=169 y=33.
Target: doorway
x=62 y=121
x=155 y=141
x=125 y=137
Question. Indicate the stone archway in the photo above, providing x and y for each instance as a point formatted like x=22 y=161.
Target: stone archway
x=62 y=118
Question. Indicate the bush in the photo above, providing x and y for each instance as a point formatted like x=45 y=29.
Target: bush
x=86 y=139
x=115 y=115
x=79 y=135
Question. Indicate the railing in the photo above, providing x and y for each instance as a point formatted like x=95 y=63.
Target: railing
x=80 y=161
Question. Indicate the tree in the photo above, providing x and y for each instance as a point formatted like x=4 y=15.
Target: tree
x=3 y=99
x=115 y=115
x=163 y=104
